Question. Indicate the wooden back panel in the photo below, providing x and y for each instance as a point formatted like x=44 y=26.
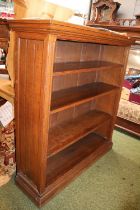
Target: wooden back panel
x=67 y=51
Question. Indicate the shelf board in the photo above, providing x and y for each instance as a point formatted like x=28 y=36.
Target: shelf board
x=72 y=160
x=70 y=97
x=79 y=67
x=67 y=133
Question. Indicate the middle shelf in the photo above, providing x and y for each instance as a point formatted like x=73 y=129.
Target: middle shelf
x=83 y=66
x=70 y=97
x=65 y=134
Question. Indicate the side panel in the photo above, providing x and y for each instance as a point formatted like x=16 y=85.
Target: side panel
x=34 y=67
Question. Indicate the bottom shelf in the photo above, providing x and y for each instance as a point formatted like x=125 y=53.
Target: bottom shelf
x=66 y=165
x=65 y=161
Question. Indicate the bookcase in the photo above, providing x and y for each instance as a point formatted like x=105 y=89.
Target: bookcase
x=67 y=90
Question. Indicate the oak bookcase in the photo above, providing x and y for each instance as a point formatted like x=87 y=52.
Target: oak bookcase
x=67 y=87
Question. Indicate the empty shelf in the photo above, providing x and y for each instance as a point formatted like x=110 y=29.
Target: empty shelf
x=67 y=133
x=79 y=67
x=75 y=158
x=70 y=97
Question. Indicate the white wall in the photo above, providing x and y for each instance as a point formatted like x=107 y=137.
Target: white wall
x=137 y=7
x=127 y=9
x=81 y=6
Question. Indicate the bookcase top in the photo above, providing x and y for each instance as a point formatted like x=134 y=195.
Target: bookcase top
x=72 y=32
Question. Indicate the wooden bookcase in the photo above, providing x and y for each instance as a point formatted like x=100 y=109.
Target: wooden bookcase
x=68 y=83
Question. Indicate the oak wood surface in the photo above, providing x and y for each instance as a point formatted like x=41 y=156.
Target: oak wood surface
x=63 y=179
x=131 y=31
x=77 y=95
x=65 y=160
x=128 y=126
x=66 y=134
x=68 y=31
x=54 y=111
x=31 y=112
x=78 y=67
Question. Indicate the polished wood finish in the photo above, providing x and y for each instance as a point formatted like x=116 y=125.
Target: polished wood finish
x=66 y=31
x=68 y=84
x=78 y=67
x=74 y=130
x=131 y=31
x=128 y=126
x=64 y=99
x=63 y=162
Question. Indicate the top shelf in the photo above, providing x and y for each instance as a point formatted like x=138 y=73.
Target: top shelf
x=79 y=67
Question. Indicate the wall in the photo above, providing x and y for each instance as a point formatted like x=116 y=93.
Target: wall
x=127 y=9
x=77 y=5
x=137 y=7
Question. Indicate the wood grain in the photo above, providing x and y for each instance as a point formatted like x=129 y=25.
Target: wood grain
x=73 y=32
x=81 y=67
x=64 y=73
x=64 y=161
x=128 y=126
x=65 y=99
x=66 y=134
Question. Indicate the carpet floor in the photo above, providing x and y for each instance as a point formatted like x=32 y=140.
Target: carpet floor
x=112 y=183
